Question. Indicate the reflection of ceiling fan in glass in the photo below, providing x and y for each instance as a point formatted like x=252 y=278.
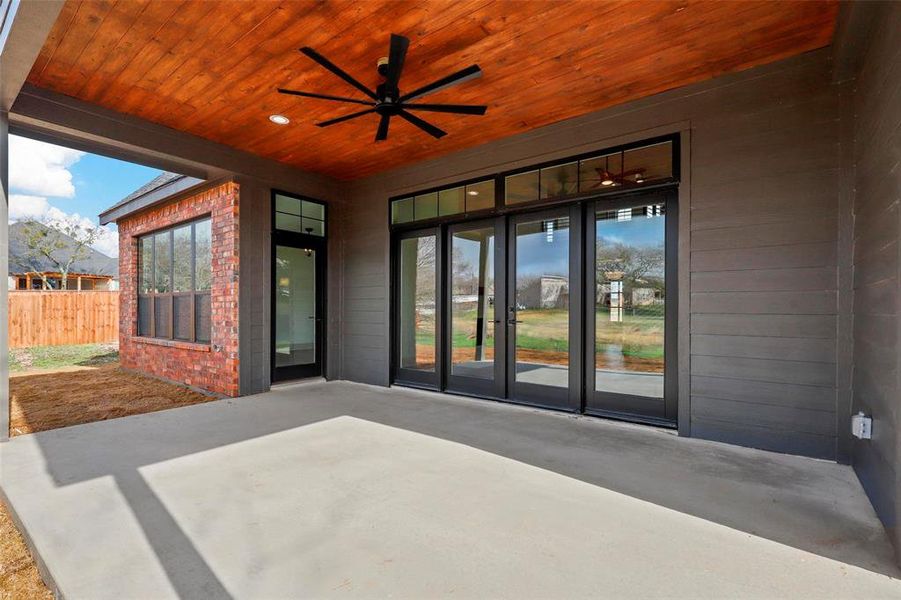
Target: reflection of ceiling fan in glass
x=607 y=178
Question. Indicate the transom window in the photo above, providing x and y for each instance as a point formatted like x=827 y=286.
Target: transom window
x=581 y=176
x=606 y=171
x=469 y=198
x=175 y=269
x=299 y=215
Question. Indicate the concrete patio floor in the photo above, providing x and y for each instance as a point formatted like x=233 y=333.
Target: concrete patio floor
x=339 y=489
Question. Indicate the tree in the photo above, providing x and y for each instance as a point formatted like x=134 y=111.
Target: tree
x=639 y=266
x=62 y=243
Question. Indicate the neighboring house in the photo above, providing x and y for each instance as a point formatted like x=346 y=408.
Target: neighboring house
x=96 y=271
x=547 y=291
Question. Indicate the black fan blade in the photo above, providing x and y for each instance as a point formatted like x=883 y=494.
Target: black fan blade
x=323 y=96
x=470 y=72
x=337 y=71
x=459 y=109
x=425 y=126
x=397 y=55
x=382 y=133
x=345 y=118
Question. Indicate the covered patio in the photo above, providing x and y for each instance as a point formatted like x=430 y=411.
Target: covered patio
x=683 y=215
x=341 y=489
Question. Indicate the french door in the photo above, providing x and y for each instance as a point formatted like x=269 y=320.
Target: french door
x=571 y=308
x=630 y=312
x=417 y=311
x=474 y=304
x=543 y=309
x=297 y=306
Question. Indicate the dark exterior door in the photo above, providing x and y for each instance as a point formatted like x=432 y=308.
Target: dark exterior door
x=542 y=316
x=418 y=350
x=474 y=302
x=297 y=306
x=631 y=307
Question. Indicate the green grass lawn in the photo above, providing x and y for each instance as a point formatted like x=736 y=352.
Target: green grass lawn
x=56 y=357
x=639 y=335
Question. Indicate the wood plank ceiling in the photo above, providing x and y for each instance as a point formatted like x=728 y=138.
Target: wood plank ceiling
x=211 y=68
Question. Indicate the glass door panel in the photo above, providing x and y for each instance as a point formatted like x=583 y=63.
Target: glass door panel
x=417 y=309
x=540 y=311
x=473 y=291
x=297 y=349
x=629 y=315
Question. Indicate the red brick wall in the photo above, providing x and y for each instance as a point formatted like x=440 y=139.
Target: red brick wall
x=212 y=366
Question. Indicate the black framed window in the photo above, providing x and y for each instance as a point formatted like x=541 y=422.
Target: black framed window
x=457 y=200
x=646 y=164
x=299 y=215
x=573 y=306
x=174 y=282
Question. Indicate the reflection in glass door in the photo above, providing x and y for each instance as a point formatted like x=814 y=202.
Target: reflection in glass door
x=630 y=305
x=543 y=338
x=418 y=311
x=570 y=307
x=297 y=328
x=475 y=336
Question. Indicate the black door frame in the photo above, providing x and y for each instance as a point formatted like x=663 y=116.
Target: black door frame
x=627 y=406
x=319 y=245
x=579 y=206
x=471 y=386
x=399 y=374
x=545 y=396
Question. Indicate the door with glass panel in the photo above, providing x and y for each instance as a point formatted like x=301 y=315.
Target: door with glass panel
x=542 y=316
x=630 y=293
x=418 y=352
x=297 y=289
x=298 y=286
x=474 y=305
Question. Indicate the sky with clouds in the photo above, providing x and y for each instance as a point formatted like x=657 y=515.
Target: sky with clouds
x=53 y=184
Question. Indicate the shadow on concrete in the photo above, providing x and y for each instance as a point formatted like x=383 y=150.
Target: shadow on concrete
x=811 y=505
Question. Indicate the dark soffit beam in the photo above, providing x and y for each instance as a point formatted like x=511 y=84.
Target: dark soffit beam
x=50 y=116
x=24 y=29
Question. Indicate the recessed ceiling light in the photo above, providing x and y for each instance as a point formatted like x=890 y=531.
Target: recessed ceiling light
x=473 y=192
x=279 y=119
x=607 y=182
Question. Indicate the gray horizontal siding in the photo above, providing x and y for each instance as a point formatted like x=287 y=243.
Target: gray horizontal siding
x=770 y=303
x=779 y=348
x=816 y=326
x=877 y=267
x=365 y=344
x=803 y=279
x=760 y=265
x=788 y=395
x=747 y=432
x=765 y=234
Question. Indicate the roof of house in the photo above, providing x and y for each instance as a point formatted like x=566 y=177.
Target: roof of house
x=95 y=263
x=154 y=191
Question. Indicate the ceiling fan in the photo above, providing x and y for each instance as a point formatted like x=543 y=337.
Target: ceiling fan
x=387 y=101
x=606 y=179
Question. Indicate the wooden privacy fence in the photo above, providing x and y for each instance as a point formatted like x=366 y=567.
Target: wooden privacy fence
x=57 y=318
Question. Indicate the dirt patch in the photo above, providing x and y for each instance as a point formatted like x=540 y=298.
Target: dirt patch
x=19 y=577
x=49 y=401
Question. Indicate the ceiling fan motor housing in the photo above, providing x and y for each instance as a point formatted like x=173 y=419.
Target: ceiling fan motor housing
x=381 y=66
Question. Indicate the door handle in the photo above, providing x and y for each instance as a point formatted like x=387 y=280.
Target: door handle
x=513 y=321
x=314 y=318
